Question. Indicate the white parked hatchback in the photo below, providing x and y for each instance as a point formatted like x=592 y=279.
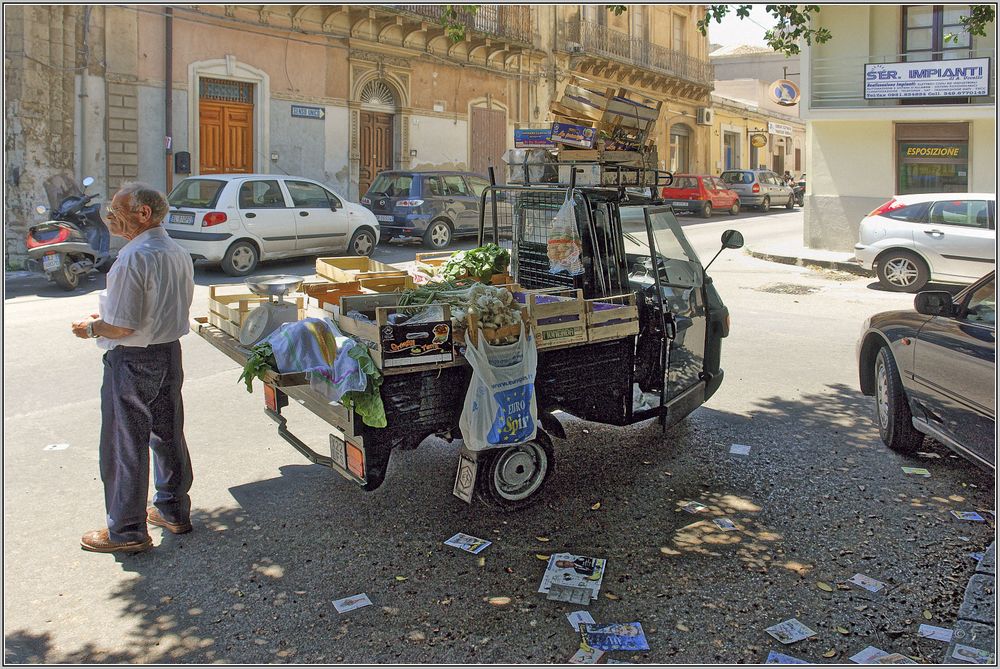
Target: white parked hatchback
x=238 y=220
x=913 y=239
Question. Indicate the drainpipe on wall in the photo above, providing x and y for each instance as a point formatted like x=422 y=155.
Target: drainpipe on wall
x=168 y=110
x=83 y=93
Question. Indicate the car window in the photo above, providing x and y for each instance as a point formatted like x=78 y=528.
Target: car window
x=684 y=182
x=737 y=177
x=305 y=194
x=392 y=185
x=455 y=185
x=478 y=185
x=967 y=213
x=982 y=306
x=261 y=195
x=200 y=193
x=433 y=187
x=915 y=213
x=720 y=184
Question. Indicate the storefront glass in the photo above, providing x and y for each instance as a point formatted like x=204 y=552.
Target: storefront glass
x=680 y=148
x=933 y=167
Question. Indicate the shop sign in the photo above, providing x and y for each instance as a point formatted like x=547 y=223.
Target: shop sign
x=779 y=129
x=939 y=150
x=927 y=79
x=528 y=138
x=784 y=92
x=758 y=139
x=300 y=111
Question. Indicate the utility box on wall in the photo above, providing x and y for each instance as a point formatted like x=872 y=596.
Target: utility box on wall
x=182 y=162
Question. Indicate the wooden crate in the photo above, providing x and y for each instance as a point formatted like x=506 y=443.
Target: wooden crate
x=227 y=326
x=387 y=342
x=235 y=306
x=344 y=269
x=388 y=283
x=493 y=335
x=437 y=259
x=326 y=296
x=612 y=317
x=558 y=316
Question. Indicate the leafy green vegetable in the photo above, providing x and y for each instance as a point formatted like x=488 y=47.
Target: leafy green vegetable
x=260 y=362
x=368 y=403
x=480 y=263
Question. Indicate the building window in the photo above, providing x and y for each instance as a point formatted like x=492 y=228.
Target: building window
x=798 y=160
x=680 y=148
x=924 y=29
x=223 y=90
x=731 y=149
x=932 y=158
x=680 y=33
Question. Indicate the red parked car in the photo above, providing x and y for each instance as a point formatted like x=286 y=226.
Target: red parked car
x=702 y=194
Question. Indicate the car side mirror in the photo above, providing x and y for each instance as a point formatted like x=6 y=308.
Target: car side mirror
x=934 y=303
x=732 y=239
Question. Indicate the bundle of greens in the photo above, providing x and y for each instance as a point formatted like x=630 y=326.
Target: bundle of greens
x=260 y=362
x=479 y=263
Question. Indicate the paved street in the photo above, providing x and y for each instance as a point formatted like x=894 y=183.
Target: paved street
x=276 y=540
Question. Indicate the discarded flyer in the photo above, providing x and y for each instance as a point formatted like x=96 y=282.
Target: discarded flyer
x=56 y=447
x=739 y=449
x=895 y=658
x=568 y=594
x=468 y=543
x=350 y=603
x=615 y=636
x=582 y=656
x=775 y=657
x=936 y=633
x=917 y=471
x=978 y=557
x=866 y=582
x=868 y=655
x=790 y=631
x=694 y=507
x=724 y=524
x=972 y=655
x=574 y=571
x=968 y=515
x=577 y=617
x=614 y=661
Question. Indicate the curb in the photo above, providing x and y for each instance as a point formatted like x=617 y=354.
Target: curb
x=977 y=614
x=839 y=265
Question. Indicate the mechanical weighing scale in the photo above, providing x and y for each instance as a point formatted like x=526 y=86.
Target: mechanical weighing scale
x=270 y=315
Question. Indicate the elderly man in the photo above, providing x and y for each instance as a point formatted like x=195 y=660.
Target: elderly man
x=143 y=314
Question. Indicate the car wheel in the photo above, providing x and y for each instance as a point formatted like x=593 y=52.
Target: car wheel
x=735 y=209
x=438 y=235
x=791 y=202
x=510 y=478
x=895 y=422
x=902 y=271
x=64 y=277
x=706 y=211
x=362 y=243
x=765 y=205
x=240 y=259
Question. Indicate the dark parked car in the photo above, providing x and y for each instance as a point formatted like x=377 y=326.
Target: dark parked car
x=433 y=206
x=932 y=371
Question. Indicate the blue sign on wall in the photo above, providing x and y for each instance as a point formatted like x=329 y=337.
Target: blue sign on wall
x=300 y=111
x=533 y=137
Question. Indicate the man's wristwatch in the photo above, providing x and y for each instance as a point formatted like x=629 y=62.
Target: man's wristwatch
x=90 y=330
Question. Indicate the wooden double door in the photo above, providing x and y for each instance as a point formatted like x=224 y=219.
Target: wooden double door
x=225 y=137
x=375 y=147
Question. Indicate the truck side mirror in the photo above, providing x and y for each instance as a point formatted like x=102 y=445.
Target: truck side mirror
x=732 y=239
x=87 y=181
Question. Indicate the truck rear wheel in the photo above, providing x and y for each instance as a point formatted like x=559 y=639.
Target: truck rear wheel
x=510 y=478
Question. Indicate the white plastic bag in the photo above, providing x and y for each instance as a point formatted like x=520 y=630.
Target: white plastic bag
x=565 y=246
x=500 y=407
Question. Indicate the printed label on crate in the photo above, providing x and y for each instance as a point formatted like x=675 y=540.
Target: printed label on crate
x=525 y=138
x=573 y=135
x=561 y=333
x=416 y=344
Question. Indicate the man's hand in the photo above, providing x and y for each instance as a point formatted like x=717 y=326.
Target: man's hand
x=80 y=327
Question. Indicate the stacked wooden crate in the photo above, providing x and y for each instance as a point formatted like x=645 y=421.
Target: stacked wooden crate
x=229 y=305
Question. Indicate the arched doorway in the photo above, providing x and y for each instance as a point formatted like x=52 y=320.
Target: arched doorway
x=680 y=148
x=376 y=131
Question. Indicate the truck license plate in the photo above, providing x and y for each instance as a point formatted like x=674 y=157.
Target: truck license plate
x=51 y=262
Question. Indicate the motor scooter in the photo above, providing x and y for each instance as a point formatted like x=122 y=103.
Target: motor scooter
x=799 y=190
x=74 y=243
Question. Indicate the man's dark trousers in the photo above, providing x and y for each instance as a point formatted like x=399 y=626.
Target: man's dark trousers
x=142 y=410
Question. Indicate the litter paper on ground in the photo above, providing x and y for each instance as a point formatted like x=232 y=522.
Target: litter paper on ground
x=614 y=636
x=968 y=515
x=978 y=557
x=694 y=507
x=868 y=655
x=866 y=582
x=790 y=631
x=739 y=449
x=350 y=603
x=573 y=571
x=972 y=655
x=724 y=524
x=936 y=633
x=468 y=543
x=56 y=447
x=917 y=471
x=582 y=656
x=774 y=657
x=577 y=617
x=895 y=658
x=568 y=594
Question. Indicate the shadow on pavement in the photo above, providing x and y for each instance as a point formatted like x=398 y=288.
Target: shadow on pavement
x=818 y=498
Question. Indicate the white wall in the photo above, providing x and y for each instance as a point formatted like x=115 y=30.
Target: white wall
x=336 y=166
x=440 y=143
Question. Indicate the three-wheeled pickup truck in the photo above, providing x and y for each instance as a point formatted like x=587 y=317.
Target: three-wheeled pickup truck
x=632 y=246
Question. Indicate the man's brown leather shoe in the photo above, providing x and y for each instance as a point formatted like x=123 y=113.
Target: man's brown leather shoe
x=154 y=517
x=99 y=541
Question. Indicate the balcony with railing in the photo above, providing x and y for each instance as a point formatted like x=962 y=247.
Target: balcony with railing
x=508 y=22
x=593 y=39
x=839 y=83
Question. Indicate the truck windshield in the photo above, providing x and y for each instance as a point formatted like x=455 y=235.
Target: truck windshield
x=679 y=262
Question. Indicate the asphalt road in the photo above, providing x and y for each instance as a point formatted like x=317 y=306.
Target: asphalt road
x=276 y=539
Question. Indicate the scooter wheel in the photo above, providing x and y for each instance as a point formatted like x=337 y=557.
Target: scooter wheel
x=509 y=479
x=64 y=276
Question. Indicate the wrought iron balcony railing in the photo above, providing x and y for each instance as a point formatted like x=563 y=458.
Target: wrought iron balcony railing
x=596 y=39
x=512 y=22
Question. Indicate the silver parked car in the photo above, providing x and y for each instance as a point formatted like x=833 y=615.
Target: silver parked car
x=759 y=188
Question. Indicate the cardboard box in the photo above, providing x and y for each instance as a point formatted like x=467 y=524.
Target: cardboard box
x=397 y=345
x=574 y=135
